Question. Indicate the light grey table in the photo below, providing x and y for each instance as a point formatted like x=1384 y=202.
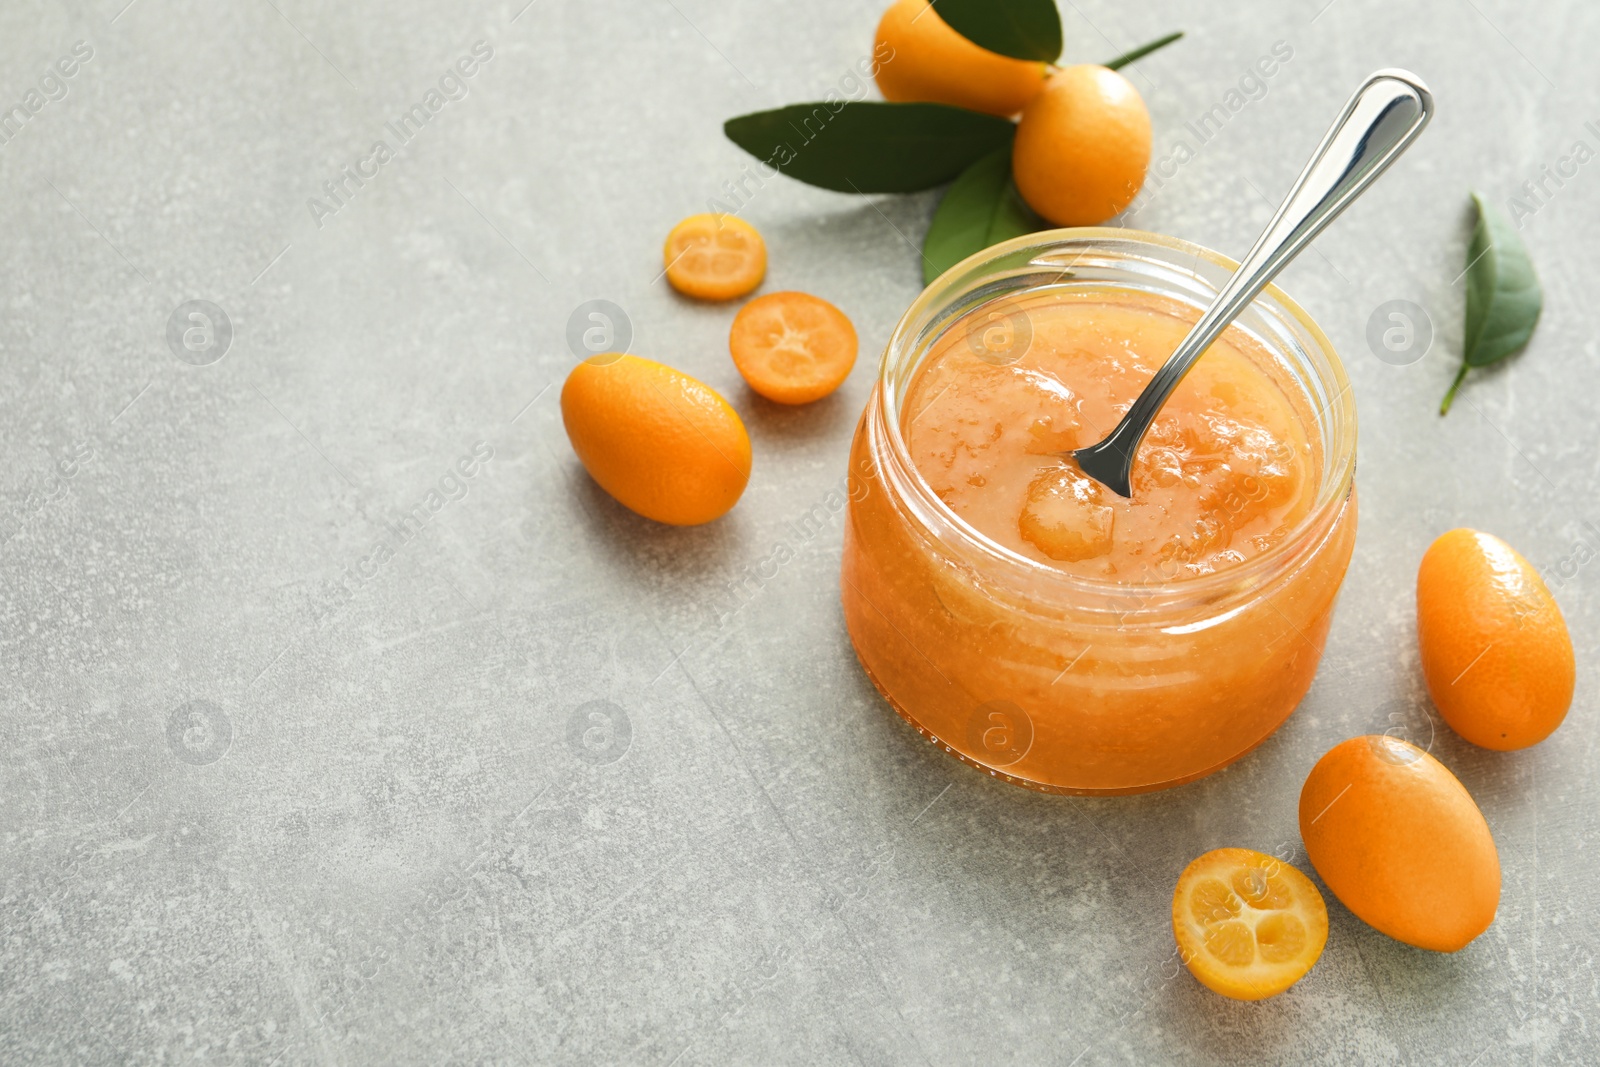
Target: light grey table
x=271 y=794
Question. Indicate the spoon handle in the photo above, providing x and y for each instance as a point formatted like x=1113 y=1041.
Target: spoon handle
x=1380 y=121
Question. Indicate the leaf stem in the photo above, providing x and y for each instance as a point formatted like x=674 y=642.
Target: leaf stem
x=1143 y=50
x=1444 y=408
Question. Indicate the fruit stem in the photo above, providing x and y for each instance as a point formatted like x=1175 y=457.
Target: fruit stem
x=1143 y=50
x=1444 y=408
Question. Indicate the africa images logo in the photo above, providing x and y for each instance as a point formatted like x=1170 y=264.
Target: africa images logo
x=53 y=85
x=453 y=485
x=343 y=187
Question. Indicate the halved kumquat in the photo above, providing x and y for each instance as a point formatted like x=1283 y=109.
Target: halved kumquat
x=1248 y=925
x=792 y=347
x=715 y=257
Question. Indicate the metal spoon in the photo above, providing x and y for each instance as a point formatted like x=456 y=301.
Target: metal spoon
x=1381 y=120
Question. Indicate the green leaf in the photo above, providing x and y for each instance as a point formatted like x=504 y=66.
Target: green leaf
x=1504 y=297
x=867 y=146
x=1022 y=29
x=1503 y=293
x=1143 y=50
x=981 y=208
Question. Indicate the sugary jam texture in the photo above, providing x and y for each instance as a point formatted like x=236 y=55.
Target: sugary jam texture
x=1064 y=517
x=1224 y=473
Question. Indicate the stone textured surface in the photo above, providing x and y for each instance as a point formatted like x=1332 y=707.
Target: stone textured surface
x=268 y=798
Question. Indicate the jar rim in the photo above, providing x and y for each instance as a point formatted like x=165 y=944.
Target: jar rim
x=938 y=306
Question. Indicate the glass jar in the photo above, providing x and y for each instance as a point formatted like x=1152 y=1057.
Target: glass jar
x=1071 y=684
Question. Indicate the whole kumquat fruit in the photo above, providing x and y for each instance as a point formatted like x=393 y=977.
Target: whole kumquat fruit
x=1082 y=146
x=1248 y=925
x=1401 y=842
x=715 y=257
x=662 y=443
x=1495 y=650
x=920 y=57
x=792 y=347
